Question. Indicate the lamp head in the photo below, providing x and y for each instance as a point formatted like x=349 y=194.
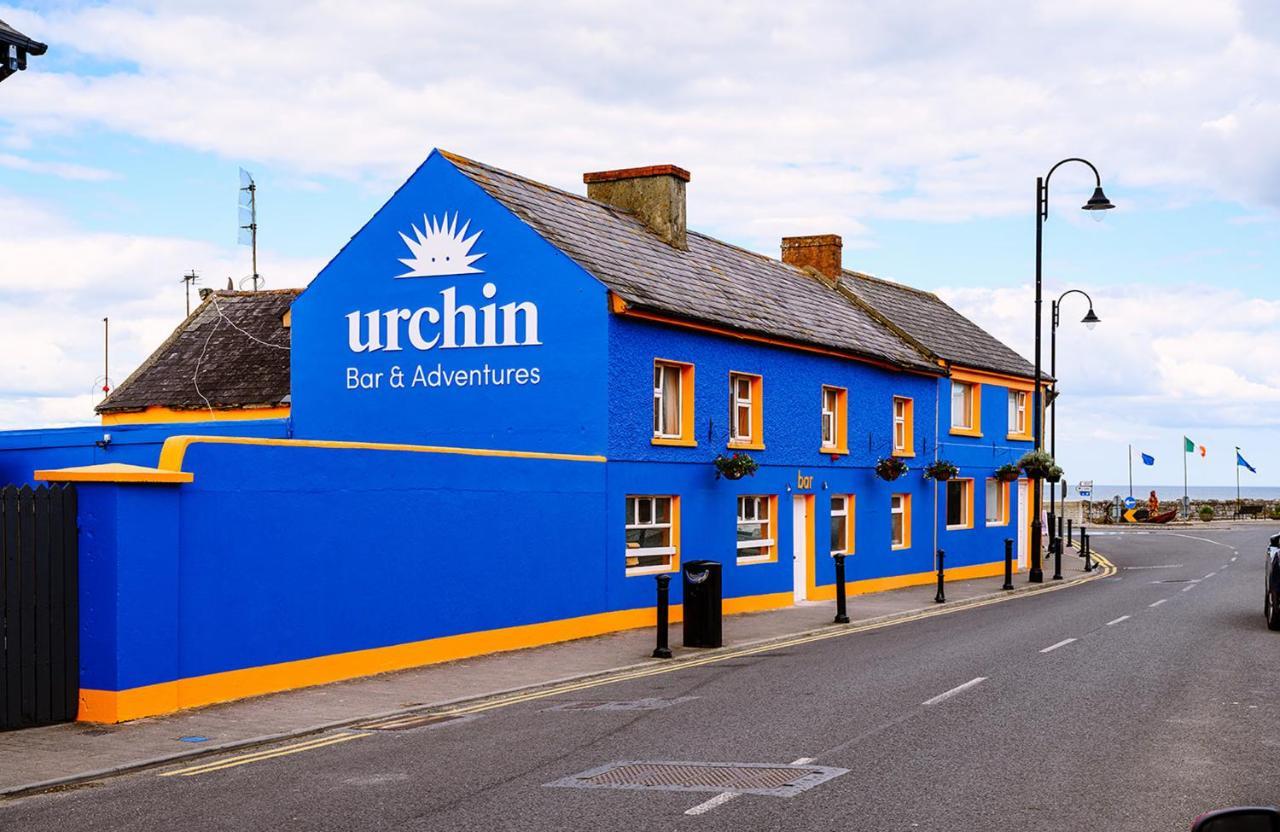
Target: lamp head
x=1098 y=203
x=1090 y=320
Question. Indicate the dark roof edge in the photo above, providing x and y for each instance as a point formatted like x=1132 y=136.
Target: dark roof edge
x=887 y=322
x=789 y=343
x=8 y=34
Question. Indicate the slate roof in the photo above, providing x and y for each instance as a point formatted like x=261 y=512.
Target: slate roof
x=925 y=318
x=713 y=282
x=235 y=345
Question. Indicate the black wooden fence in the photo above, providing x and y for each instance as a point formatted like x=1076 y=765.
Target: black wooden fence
x=39 y=606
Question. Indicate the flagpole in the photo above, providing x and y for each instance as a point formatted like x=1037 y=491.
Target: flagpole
x=1237 y=480
x=1130 y=470
x=1186 y=501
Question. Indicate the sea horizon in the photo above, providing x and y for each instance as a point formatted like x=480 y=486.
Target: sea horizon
x=1105 y=491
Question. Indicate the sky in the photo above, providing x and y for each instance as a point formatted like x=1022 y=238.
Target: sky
x=914 y=130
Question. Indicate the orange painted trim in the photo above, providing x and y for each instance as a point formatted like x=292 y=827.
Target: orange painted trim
x=673 y=442
x=174 y=450
x=908 y=426
x=842 y=420
x=620 y=307
x=113 y=472
x=166 y=415
x=998 y=379
x=756 y=382
x=688 y=404
x=975 y=410
x=166 y=697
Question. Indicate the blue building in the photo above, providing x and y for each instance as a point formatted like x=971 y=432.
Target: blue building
x=504 y=405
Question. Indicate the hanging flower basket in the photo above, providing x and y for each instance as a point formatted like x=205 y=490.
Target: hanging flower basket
x=1040 y=466
x=890 y=468
x=941 y=470
x=735 y=467
x=1007 y=472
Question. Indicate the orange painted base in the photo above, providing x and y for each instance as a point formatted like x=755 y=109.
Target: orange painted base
x=133 y=703
x=827 y=592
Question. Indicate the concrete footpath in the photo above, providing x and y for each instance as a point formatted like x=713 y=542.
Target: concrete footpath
x=39 y=758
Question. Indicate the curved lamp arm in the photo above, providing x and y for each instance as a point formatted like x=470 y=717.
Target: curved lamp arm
x=1044 y=191
x=1057 y=304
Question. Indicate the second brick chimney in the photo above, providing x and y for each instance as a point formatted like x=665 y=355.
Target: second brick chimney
x=654 y=194
x=819 y=253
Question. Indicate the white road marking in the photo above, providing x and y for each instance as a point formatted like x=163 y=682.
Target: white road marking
x=1211 y=574
x=1233 y=560
x=1188 y=587
x=1161 y=566
x=957 y=689
x=1053 y=647
x=725 y=797
x=1117 y=620
x=1158 y=603
x=708 y=805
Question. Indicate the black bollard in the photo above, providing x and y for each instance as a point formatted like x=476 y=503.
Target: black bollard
x=1053 y=529
x=662 y=651
x=1008 y=563
x=941 y=597
x=842 y=613
x=1069 y=543
x=1057 y=559
x=1083 y=534
x=1061 y=519
x=1088 y=554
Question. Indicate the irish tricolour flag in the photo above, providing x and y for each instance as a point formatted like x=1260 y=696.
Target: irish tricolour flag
x=1190 y=447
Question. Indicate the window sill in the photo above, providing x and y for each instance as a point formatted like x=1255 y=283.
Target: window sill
x=977 y=434
x=745 y=446
x=1019 y=437
x=960 y=528
x=901 y=548
x=904 y=454
x=674 y=442
x=753 y=559
x=638 y=571
x=997 y=525
x=825 y=451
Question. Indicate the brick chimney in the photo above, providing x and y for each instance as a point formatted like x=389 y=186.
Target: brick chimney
x=654 y=194
x=819 y=253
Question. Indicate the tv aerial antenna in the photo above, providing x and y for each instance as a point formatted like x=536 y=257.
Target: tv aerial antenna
x=248 y=224
x=190 y=280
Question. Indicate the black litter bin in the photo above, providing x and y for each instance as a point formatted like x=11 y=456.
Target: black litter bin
x=702 y=607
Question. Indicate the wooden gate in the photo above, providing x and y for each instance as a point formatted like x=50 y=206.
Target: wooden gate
x=39 y=606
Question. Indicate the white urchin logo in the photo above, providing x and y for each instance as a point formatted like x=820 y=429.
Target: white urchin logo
x=440 y=248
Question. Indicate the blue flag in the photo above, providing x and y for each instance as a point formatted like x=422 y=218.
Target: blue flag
x=1148 y=459
x=1240 y=461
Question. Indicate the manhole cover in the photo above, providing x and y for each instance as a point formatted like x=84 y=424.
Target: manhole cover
x=407 y=722
x=651 y=704
x=769 y=779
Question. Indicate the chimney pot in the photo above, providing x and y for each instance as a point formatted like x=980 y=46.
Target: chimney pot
x=654 y=194
x=819 y=253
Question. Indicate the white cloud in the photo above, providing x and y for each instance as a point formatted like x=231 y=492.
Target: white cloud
x=62 y=170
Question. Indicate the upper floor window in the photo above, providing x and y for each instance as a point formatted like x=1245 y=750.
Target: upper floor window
x=651 y=533
x=755 y=529
x=834 y=420
x=965 y=407
x=903 y=426
x=1018 y=404
x=746 y=425
x=672 y=403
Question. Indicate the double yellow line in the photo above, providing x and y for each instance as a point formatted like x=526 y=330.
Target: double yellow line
x=1105 y=568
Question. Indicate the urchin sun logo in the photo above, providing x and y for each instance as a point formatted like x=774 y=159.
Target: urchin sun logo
x=440 y=248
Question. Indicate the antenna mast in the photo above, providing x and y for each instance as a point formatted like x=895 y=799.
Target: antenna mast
x=249 y=219
x=106 y=357
x=190 y=280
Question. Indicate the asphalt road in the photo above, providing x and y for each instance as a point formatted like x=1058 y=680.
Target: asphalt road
x=1164 y=703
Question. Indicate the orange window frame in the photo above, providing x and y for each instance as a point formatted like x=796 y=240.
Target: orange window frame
x=906 y=522
x=1002 y=499
x=907 y=448
x=673 y=564
x=685 y=438
x=968 y=503
x=841 y=419
x=755 y=442
x=975 y=408
x=850 y=524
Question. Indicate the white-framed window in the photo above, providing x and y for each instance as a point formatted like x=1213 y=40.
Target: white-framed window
x=830 y=413
x=959 y=504
x=1018 y=412
x=842 y=524
x=743 y=400
x=902 y=426
x=668 y=404
x=755 y=529
x=997 y=503
x=962 y=405
x=900 y=521
x=651 y=533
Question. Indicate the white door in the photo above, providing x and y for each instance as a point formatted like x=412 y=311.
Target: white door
x=1024 y=523
x=800 y=553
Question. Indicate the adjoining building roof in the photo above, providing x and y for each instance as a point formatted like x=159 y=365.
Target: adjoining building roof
x=232 y=352
x=712 y=282
x=10 y=36
x=925 y=318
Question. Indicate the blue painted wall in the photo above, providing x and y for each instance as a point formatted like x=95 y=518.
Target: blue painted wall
x=552 y=398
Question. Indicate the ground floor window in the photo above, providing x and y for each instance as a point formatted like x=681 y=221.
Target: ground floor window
x=997 y=503
x=900 y=517
x=959 y=504
x=756 y=536
x=842 y=531
x=652 y=533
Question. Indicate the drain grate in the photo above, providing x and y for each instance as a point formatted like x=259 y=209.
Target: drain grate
x=768 y=779
x=407 y=722
x=650 y=704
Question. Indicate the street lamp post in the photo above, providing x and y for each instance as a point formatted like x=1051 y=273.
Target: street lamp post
x=1090 y=320
x=1097 y=202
